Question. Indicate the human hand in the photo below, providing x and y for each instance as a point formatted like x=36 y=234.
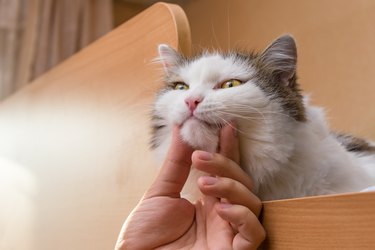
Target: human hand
x=226 y=217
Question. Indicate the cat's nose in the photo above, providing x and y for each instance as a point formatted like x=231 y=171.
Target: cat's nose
x=192 y=103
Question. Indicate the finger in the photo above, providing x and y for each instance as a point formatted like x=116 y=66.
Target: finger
x=175 y=169
x=229 y=144
x=231 y=191
x=218 y=165
x=250 y=231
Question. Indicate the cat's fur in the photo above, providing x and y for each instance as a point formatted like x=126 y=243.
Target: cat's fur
x=285 y=144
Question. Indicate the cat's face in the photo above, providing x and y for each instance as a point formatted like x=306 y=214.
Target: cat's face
x=207 y=92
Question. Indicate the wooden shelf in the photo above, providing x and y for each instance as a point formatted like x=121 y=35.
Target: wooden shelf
x=345 y=221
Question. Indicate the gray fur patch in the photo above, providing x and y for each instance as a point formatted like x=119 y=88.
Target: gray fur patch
x=288 y=95
x=354 y=144
x=157 y=124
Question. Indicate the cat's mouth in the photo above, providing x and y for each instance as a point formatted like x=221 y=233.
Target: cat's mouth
x=207 y=124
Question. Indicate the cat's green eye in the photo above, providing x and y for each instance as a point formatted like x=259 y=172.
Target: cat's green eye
x=230 y=84
x=181 y=86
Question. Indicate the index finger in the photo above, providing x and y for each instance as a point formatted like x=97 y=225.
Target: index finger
x=219 y=165
x=175 y=169
x=227 y=162
x=229 y=144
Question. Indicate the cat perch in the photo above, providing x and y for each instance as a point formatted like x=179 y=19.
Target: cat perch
x=75 y=159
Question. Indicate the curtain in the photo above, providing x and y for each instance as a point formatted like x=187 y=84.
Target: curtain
x=35 y=35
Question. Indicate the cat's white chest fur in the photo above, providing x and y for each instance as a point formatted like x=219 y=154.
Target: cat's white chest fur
x=306 y=161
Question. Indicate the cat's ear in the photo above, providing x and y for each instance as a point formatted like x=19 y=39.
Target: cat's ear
x=280 y=58
x=169 y=57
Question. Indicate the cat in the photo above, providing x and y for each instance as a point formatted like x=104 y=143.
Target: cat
x=285 y=143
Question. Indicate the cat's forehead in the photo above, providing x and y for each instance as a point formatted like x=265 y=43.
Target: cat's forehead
x=213 y=68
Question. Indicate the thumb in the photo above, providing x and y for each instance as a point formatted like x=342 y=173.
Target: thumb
x=175 y=169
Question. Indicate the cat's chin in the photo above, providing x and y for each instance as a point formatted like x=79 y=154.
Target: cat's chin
x=200 y=135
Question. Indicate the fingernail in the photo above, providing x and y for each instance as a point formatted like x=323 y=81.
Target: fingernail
x=205 y=156
x=208 y=180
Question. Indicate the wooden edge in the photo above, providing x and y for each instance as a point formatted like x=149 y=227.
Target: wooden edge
x=182 y=27
x=321 y=198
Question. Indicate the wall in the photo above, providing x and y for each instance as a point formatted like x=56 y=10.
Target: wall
x=336 y=45
x=123 y=11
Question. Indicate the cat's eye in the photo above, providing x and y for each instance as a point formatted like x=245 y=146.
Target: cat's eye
x=230 y=84
x=180 y=86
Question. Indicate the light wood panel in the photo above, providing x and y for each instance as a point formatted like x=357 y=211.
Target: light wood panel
x=336 y=57
x=328 y=222
x=74 y=156
x=335 y=40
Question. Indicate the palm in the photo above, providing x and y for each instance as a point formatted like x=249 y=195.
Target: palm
x=212 y=231
x=194 y=225
x=163 y=220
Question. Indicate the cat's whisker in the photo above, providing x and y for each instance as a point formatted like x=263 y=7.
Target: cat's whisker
x=230 y=113
x=237 y=107
x=244 y=134
x=247 y=117
x=232 y=107
x=245 y=107
x=258 y=121
x=228 y=122
x=214 y=36
x=239 y=104
x=259 y=112
x=228 y=26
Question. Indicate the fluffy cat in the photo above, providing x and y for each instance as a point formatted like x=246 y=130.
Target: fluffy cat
x=285 y=143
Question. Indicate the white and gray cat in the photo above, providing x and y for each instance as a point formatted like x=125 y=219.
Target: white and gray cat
x=285 y=143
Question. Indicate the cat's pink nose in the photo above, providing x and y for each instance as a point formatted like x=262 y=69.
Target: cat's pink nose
x=192 y=103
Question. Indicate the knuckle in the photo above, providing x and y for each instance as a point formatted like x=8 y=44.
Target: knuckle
x=226 y=165
x=177 y=162
x=227 y=187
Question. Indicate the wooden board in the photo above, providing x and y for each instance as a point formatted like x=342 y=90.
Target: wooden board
x=74 y=157
x=344 y=221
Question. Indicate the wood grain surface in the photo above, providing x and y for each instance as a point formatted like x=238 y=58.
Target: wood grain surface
x=335 y=43
x=344 y=221
x=74 y=155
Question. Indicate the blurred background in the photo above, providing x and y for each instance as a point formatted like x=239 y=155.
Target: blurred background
x=335 y=40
